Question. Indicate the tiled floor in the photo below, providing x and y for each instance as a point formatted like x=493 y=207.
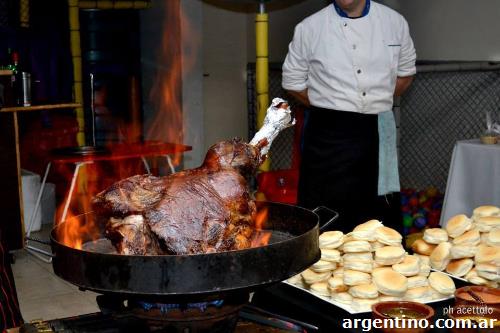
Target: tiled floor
x=43 y=295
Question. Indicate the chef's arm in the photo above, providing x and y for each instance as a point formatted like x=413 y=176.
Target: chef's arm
x=402 y=84
x=300 y=96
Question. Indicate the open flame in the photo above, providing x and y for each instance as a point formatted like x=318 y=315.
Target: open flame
x=261 y=237
x=165 y=127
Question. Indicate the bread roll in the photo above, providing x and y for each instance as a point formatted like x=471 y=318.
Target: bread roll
x=390 y=282
x=493 y=238
x=435 y=236
x=296 y=280
x=311 y=276
x=424 y=260
x=361 y=266
x=486 y=210
x=354 y=278
x=410 y=266
x=331 y=239
x=417 y=281
x=358 y=256
x=366 y=231
x=336 y=284
x=364 y=291
x=425 y=270
x=472 y=277
x=487 y=255
x=356 y=246
x=460 y=267
x=323 y=266
x=388 y=236
x=344 y=297
x=363 y=304
x=462 y=251
x=471 y=238
x=422 y=247
x=440 y=257
x=338 y=272
x=488 y=223
x=389 y=255
x=488 y=271
x=376 y=245
x=442 y=283
x=457 y=225
x=330 y=255
x=320 y=288
x=418 y=294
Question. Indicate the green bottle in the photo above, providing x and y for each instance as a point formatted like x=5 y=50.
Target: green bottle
x=15 y=80
x=14 y=65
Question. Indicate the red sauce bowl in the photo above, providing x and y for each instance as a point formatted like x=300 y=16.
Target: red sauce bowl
x=490 y=296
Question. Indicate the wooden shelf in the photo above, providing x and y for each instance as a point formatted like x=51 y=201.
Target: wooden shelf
x=11 y=194
x=6 y=72
x=40 y=107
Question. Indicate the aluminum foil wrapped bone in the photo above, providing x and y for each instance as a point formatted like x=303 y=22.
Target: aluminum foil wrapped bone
x=278 y=117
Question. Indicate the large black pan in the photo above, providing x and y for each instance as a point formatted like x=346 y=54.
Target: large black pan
x=293 y=248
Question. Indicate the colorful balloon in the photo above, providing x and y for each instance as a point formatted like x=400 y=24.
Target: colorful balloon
x=407 y=220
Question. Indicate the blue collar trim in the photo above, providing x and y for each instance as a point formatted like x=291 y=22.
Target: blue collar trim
x=341 y=13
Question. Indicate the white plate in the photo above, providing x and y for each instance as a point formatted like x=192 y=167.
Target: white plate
x=354 y=310
x=450 y=275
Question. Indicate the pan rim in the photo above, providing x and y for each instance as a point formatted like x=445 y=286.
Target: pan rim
x=198 y=255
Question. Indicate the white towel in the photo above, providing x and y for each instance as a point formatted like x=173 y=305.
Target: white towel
x=388 y=174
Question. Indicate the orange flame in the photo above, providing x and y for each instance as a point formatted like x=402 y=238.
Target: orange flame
x=261 y=218
x=166 y=94
x=76 y=230
x=261 y=237
x=166 y=126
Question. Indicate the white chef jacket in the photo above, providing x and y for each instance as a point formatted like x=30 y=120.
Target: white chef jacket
x=350 y=64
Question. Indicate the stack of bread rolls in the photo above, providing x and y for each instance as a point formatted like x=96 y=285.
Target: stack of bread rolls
x=370 y=265
x=468 y=248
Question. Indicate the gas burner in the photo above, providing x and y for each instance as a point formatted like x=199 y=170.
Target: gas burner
x=164 y=308
x=164 y=314
x=250 y=320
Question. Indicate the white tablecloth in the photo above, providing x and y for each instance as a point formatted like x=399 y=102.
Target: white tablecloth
x=473 y=179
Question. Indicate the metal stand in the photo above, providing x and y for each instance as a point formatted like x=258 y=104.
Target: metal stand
x=35 y=251
x=43 y=254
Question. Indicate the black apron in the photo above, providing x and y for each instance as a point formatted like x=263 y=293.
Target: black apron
x=339 y=168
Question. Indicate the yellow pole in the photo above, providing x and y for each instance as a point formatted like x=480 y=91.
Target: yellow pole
x=76 y=54
x=24 y=13
x=262 y=69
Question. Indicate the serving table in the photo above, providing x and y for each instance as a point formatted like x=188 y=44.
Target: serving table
x=473 y=178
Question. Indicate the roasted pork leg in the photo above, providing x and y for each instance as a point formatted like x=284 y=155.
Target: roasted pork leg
x=202 y=210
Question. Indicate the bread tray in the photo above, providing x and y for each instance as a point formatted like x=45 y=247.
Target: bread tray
x=354 y=310
x=450 y=275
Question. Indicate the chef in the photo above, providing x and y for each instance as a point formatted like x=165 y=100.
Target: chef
x=345 y=64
